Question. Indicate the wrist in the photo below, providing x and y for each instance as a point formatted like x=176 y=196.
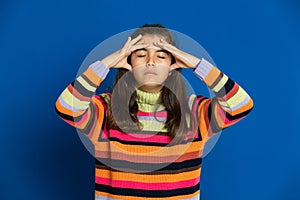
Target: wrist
x=196 y=62
x=105 y=62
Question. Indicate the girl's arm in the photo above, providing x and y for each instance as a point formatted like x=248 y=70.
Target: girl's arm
x=230 y=104
x=77 y=104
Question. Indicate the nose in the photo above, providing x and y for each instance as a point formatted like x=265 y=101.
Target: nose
x=150 y=62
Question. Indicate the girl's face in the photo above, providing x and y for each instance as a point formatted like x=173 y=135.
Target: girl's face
x=151 y=66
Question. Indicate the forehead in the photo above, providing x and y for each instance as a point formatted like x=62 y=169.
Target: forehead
x=149 y=39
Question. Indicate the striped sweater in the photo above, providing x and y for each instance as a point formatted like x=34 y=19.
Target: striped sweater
x=146 y=165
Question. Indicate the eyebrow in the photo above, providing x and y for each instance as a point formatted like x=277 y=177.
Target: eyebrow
x=160 y=50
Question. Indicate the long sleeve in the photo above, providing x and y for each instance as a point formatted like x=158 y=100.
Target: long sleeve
x=230 y=104
x=78 y=106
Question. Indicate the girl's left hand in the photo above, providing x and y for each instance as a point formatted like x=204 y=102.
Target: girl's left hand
x=183 y=59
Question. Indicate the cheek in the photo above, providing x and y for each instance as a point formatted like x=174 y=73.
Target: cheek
x=137 y=73
x=137 y=61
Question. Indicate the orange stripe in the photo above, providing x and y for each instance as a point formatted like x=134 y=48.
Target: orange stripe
x=143 y=198
x=66 y=111
x=150 y=159
x=203 y=118
x=246 y=107
x=218 y=118
x=212 y=76
x=147 y=178
x=93 y=77
x=99 y=114
x=115 y=146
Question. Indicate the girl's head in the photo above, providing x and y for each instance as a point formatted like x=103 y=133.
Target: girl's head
x=151 y=72
x=151 y=65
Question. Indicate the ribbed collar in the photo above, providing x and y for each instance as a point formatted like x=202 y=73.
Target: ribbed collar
x=148 y=97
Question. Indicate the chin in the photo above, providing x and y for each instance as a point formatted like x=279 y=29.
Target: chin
x=151 y=86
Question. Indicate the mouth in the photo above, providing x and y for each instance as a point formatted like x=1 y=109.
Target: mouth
x=150 y=73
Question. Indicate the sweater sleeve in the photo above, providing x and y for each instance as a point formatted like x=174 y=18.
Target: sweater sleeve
x=78 y=106
x=230 y=104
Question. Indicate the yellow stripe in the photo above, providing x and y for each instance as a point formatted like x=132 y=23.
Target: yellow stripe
x=85 y=84
x=239 y=97
x=153 y=125
x=71 y=100
x=220 y=84
x=150 y=108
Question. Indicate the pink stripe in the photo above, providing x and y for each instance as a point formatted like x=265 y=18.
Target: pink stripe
x=196 y=102
x=137 y=137
x=83 y=119
x=147 y=186
x=152 y=114
x=224 y=118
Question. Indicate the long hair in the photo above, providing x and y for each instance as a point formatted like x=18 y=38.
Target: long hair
x=122 y=112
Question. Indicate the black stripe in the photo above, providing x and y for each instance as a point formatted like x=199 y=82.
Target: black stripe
x=91 y=120
x=217 y=80
x=99 y=165
x=149 y=143
x=145 y=167
x=89 y=81
x=227 y=87
x=81 y=89
x=237 y=116
x=212 y=117
x=197 y=114
x=146 y=193
x=69 y=117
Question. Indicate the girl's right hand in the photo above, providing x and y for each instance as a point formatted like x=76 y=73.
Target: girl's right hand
x=118 y=59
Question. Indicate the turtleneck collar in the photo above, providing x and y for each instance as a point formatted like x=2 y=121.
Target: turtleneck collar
x=148 y=97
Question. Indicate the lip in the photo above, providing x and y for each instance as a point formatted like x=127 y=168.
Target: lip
x=150 y=73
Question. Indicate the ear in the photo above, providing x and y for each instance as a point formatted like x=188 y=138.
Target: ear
x=173 y=60
x=174 y=66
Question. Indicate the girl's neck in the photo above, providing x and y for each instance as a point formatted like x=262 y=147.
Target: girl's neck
x=151 y=89
x=152 y=98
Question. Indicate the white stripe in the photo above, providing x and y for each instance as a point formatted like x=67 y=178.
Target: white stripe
x=203 y=68
x=150 y=118
x=100 y=69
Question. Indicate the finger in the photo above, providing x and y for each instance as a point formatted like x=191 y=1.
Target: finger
x=166 y=46
x=135 y=40
x=139 y=46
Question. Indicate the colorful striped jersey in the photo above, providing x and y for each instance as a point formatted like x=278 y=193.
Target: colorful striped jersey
x=146 y=164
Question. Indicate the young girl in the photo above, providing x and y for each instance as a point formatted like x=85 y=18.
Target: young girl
x=148 y=134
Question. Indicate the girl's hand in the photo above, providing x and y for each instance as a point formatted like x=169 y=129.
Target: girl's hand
x=118 y=59
x=183 y=59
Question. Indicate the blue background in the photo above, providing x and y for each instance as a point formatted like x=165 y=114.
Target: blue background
x=43 y=43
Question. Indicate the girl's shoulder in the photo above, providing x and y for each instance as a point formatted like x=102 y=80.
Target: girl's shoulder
x=105 y=97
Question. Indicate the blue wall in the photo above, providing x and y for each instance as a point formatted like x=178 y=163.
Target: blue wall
x=43 y=43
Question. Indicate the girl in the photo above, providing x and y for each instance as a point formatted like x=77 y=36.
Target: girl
x=148 y=134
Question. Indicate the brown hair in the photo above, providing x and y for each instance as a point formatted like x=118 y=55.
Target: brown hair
x=173 y=95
